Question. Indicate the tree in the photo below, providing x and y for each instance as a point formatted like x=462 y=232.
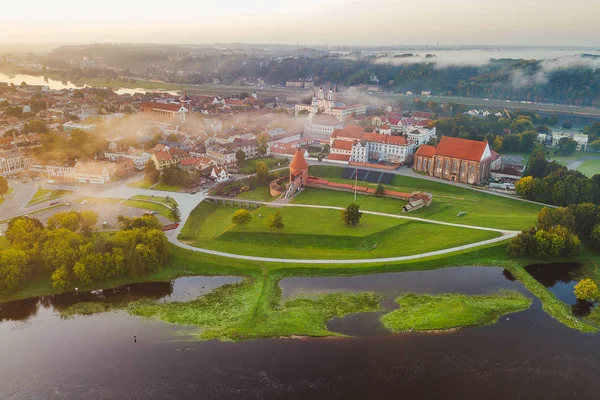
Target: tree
x=567 y=146
x=145 y=221
x=567 y=125
x=70 y=220
x=525 y=187
x=595 y=237
x=3 y=186
x=24 y=233
x=151 y=173
x=523 y=245
x=262 y=173
x=263 y=144
x=62 y=248
x=587 y=290
x=174 y=176
x=35 y=126
x=379 y=191
x=241 y=217
x=60 y=278
x=174 y=213
x=14 y=269
x=553 y=120
x=240 y=156
x=276 y=221
x=351 y=215
x=88 y=220
x=595 y=145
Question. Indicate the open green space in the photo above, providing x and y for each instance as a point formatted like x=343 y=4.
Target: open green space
x=166 y=188
x=43 y=195
x=143 y=184
x=99 y=200
x=261 y=193
x=422 y=312
x=590 y=168
x=320 y=234
x=170 y=201
x=249 y=166
x=482 y=209
x=146 y=205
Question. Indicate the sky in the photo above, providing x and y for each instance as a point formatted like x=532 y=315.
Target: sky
x=307 y=22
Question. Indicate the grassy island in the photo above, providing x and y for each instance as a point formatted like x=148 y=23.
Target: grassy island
x=422 y=312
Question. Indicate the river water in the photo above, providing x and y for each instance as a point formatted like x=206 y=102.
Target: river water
x=526 y=355
x=54 y=84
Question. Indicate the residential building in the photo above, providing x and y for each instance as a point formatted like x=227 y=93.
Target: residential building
x=580 y=138
x=61 y=172
x=92 y=172
x=13 y=161
x=71 y=126
x=377 y=147
x=220 y=174
x=140 y=158
x=167 y=110
x=421 y=135
x=455 y=159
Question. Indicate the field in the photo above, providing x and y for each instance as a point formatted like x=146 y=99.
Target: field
x=422 y=312
x=166 y=188
x=320 y=234
x=146 y=205
x=43 y=195
x=157 y=199
x=482 y=209
x=590 y=167
x=143 y=184
x=273 y=163
x=261 y=193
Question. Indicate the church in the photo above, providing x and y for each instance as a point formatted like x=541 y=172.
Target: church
x=326 y=104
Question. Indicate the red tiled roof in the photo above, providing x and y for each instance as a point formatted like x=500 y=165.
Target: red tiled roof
x=394 y=121
x=299 y=162
x=162 y=156
x=342 y=145
x=190 y=161
x=339 y=157
x=425 y=151
x=160 y=106
x=351 y=132
x=376 y=137
x=464 y=149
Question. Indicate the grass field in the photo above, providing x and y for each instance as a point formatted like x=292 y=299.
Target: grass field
x=483 y=209
x=167 y=188
x=100 y=200
x=422 y=312
x=590 y=167
x=320 y=233
x=261 y=193
x=146 y=205
x=143 y=184
x=158 y=199
x=43 y=195
x=250 y=165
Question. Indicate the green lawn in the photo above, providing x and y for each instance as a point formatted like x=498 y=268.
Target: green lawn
x=146 y=205
x=319 y=233
x=43 y=195
x=143 y=184
x=590 y=167
x=249 y=166
x=158 y=199
x=261 y=193
x=167 y=188
x=483 y=209
x=100 y=200
x=422 y=312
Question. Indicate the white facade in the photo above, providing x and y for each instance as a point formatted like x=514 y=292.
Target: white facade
x=363 y=151
x=13 y=161
x=70 y=126
x=139 y=160
x=219 y=174
x=421 y=135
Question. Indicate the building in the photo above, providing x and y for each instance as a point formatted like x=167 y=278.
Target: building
x=92 y=172
x=221 y=156
x=61 y=172
x=71 y=126
x=322 y=104
x=13 y=161
x=167 y=110
x=454 y=159
x=140 y=158
x=580 y=138
x=376 y=147
x=219 y=174
x=421 y=135
x=322 y=124
x=298 y=170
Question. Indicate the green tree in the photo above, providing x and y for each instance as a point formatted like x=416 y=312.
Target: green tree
x=595 y=237
x=587 y=290
x=553 y=120
x=276 y=221
x=523 y=245
x=262 y=173
x=567 y=146
x=60 y=278
x=88 y=220
x=36 y=126
x=240 y=156
x=151 y=173
x=14 y=269
x=3 y=186
x=174 y=213
x=24 y=233
x=379 y=191
x=525 y=187
x=595 y=145
x=70 y=220
x=241 y=217
x=351 y=215
x=145 y=221
x=62 y=248
x=567 y=125
x=263 y=144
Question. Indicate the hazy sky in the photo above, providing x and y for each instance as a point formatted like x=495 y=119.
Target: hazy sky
x=310 y=22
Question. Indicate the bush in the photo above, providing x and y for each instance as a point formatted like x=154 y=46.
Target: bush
x=241 y=217
x=587 y=290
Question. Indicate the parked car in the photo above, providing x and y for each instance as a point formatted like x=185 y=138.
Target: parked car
x=84 y=202
x=54 y=203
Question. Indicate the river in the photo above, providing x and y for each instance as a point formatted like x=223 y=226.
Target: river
x=58 y=85
x=526 y=355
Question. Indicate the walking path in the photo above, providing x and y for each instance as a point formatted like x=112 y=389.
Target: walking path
x=505 y=235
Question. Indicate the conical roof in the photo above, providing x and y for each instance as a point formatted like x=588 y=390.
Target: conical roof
x=299 y=162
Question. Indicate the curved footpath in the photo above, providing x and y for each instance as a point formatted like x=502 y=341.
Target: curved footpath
x=505 y=235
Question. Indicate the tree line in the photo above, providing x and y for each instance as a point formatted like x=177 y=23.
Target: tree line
x=67 y=251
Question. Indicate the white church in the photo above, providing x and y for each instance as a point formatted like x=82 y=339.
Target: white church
x=328 y=106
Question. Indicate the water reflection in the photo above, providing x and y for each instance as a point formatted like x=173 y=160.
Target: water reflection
x=181 y=289
x=59 y=85
x=559 y=278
